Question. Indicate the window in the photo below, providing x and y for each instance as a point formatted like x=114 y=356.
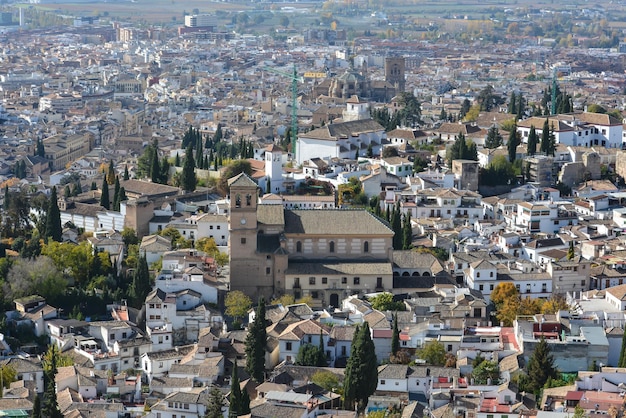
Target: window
x=243 y=240
x=366 y=247
x=582 y=282
x=478 y=274
x=185 y=406
x=382 y=381
x=331 y=247
x=315 y=294
x=267 y=270
x=123 y=335
x=491 y=274
x=288 y=346
x=298 y=247
x=311 y=280
x=210 y=226
x=357 y=280
x=112 y=336
x=324 y=280
x=218 y=227
x=490 y=287
x=344 y=280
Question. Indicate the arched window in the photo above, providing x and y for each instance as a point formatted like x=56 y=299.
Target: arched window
x=298 y=247
x=238 y=201
x=248 y=199
x=331 y=247
x=366 y=247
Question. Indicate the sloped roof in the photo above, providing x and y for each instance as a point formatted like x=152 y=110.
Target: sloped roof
x=334 y=222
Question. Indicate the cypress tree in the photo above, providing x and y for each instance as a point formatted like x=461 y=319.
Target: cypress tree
x=53 y=218
x=255 y=344
x=126 y=174
x=540 y=367
x=104 y=197
x=532 y=141
x=494 y=138
x=36 y=413
x=396 y=225
x=188 y=178
x=140 y=286
x=512 y=102
x=268 y=185
x=407 y=232
x=177 y=160
x=67 y=192
x=545 y=137
x=116 y=194
x=123 y=194
x=361 y=375
x=215 y=404
x=155 y=168
x=235 y=400
x=94 y=186
x=78 y=188
x=40 y=151
x=395 y=336
x=165 y=171
x=513 y=143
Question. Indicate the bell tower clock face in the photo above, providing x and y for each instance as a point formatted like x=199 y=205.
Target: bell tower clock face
x=243 y=221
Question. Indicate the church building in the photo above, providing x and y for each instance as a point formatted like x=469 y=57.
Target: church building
x=326 y=254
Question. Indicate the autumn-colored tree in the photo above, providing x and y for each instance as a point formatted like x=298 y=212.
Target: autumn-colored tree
x=554 y=304
x=528 y=306
x=505 y=297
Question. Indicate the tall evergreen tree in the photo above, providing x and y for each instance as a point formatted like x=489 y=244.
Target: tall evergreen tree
x=36 y=412
x=540 y=367
x=239 y=402
x=40 y=150
x=407 y=232
x=116 y=193
x=395 y=336
x=177 y=160
x=50 y=406
x=494 y=138
x=126 y=174
x=361 y=374
x=255 y=344
x=155 y=168
x=532 y=141
x=512 y=109
x=165 y=171
x=520 y=107
x=513 y=143
x=53 y=217
x=188 y=177
x=104 y=196
x=396 y=226
x=570 y=251
x=214 y=404
x=67 y=192
x=94 y=186
x=140 y=287
x=544 y=146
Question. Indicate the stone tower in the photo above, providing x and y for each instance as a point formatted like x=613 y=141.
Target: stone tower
x=394 y=72
x=242 y=227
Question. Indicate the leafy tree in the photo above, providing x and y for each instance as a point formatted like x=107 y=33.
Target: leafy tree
x=512 y=144
x=34 y=277
x=486 y=372
x=176 y=238
x=214 y=404
x=465 y=107
x=487 y=99
x=53 y=218
x=494 y=139
x=110 y=177
x=129 y=236
x=9 y=375
x=384 y=302
x=395 y=336
x=433 y=353
x=310 y=355
x=506 y=298
x=105 y=201
x=237 y=304
x=140 y=286
x=361 y=375
x=327 y=380
x=411 y=112
x=555 y=303
x=255 y=344
x=570 y=251
x=234 y=168
x=540 y=367
x=499 y=171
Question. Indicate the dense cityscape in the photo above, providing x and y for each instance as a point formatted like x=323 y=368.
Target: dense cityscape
x=402 y=209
